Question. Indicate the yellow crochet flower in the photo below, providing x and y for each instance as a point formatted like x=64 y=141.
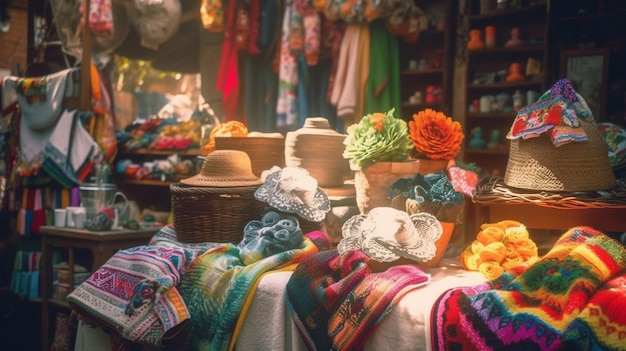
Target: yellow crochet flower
x=499 y=247
x=490 y=270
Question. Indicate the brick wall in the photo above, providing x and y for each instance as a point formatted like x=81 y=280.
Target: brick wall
x=14 y=43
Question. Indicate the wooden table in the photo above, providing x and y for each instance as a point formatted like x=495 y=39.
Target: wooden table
x=608 y=219
x=494 y=201
x=102 y=246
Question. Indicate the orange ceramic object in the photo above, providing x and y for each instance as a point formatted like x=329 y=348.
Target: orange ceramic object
x=475 y=41
x=515 y=73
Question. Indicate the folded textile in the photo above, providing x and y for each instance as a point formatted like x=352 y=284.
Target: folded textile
x=218 y=282
x=134 y=293
x=337 y=301
x=536 y=306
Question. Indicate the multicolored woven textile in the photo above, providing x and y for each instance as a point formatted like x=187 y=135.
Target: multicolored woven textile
x=218 y=282
x=337 y=301
x=567 y=300
x=134 y=293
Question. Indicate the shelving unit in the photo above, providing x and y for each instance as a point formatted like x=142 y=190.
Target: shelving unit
x=429 y=61
x=487 y=70
x=593 y=26
x=152 y=193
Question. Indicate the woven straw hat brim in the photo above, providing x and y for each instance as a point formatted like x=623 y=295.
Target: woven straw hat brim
x=536 y=164
x=225 y=168
x=201 y=180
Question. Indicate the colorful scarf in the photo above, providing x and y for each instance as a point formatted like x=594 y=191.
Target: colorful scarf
x=218 y=282
x=545 y=306
x=337 y=301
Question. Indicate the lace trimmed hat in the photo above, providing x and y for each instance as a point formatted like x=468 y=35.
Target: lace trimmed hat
x=293 y=190
x=386 y=234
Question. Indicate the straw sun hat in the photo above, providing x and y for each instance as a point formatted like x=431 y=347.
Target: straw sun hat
x=225 y=168
x=556 y=145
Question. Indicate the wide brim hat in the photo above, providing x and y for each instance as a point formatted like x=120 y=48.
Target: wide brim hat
x=386 y=234
x=121 y=25
x=293 y=190
x=225 y=168
x=556 y=146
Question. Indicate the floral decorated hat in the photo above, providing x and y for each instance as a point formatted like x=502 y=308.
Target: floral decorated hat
x=293 y=190
x=385 y=234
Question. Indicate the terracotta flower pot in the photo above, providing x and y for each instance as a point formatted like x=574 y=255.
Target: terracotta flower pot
x=374 y=183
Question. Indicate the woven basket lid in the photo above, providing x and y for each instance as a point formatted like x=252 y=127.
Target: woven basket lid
x=537 y=164
x=225 y=168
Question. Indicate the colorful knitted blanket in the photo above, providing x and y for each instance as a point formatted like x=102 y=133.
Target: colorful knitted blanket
x=570 y=299
x=338 y=301
x=217 y=284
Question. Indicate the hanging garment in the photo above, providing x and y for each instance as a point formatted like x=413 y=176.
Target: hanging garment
x=40 y=102
x=383 y=84
x=287 y=105
x=69 y=150
x=228 y=74
x=349 y=83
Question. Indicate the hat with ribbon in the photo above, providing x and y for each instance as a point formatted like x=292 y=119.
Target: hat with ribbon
x=556 y=145
x=386 y=234
x=225 y=168
x=293 y=190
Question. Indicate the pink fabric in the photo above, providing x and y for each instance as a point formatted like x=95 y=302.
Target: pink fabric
x=228 y=73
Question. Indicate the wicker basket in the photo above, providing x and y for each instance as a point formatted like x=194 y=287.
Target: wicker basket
x=213 y=214
x=264 y=152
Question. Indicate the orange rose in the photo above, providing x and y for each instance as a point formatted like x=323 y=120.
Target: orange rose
x=435 y=135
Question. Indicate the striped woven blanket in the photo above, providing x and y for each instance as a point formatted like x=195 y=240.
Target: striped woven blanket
x=337 y=301
x=217 y=284
x=573 y=298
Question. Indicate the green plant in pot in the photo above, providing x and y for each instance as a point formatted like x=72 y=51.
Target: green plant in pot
x=378 y=137
x=378 y=148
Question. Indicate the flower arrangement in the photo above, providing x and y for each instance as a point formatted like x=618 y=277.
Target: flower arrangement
x=378 y=137
x=436 y=136
x=499 y=247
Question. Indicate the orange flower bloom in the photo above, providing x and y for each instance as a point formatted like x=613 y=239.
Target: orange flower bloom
x=377 y=119
x=435 y=135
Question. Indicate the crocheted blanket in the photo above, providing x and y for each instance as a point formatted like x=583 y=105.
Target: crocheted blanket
x=217 y=284
x=338 y=301
x=572 y=298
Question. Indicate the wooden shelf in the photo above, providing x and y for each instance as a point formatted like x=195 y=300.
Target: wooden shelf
x=149 y=182
x=149 y=152
x=422 y=72
x=524 y=49
x=435 y=44
x=532 y=22
x=508 y=13
x=526 y=84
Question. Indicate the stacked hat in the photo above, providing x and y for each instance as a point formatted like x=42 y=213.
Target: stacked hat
x=318 y=148
x=556 y=145
x=216 y=204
